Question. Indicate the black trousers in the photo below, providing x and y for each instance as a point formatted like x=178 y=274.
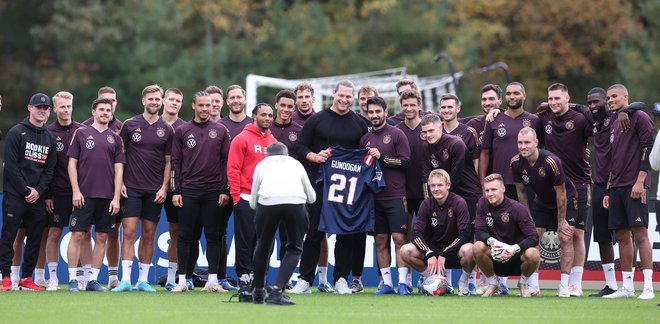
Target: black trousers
x=345 y=250
x=200 y=210
x=15 y=211
x=244 y=236
x=359 y=252
x=225 y=214
x=312 y=244
x=294 y=220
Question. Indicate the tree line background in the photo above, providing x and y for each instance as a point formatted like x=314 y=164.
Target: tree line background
x=79 y=46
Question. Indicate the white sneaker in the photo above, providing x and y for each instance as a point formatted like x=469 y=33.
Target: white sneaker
x=14 y=285
x=463 y=287
x=621 y=293
x=482 y=286
x=213 y=287
x=53 y=285
x=82 y=284
x=647 y=294
x=180 y=288
x=43 y=283
x=301 y=287
x=574 y=291
x=563 y=292
x=341 y=287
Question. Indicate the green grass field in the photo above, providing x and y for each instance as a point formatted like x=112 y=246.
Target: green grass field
x=199 y=307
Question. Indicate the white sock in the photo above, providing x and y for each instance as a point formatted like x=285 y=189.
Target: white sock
x=448 y=277
x=472 y=279
x=387 y=276
x=492 y=280
x=73 y=273
x=143 y=272
x=503 y=280
x=628 y=280
x=564 y=279
x=610 y=276
x=482 y=276
x=39 y=274
x=323 y=274
x=533 y=280
x=213 y=278
x=94 y=274
x=425 y=273
x=87 y=269
x=182 y=279
x=126 y=269
x=15 y=273
x=80 y=274
x=576 y=277
x=523 y=279
x=172 y=267
x=403 y=275
x=648 y=278
x=409 y=277
x=52 y=271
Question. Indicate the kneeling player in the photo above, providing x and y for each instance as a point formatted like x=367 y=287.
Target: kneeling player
x=441 y=233
x=502 y=221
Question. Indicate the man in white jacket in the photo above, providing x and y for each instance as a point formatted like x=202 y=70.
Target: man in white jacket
x=280 y=189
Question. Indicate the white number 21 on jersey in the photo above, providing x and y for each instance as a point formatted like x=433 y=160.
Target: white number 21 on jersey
x=336 y=190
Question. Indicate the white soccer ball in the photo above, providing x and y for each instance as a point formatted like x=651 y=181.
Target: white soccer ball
x=435 y=285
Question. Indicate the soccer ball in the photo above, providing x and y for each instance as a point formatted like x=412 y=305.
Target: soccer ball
x=435 y=285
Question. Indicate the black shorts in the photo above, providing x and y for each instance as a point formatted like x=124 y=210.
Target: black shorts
x=626 y=212
x=545 y=217
x=509 y=268
x=390 y=216
x=599 y=214
x=412 y=205
x=171 y=212
x=95 y=212
x=450 y=262
x=583 y=203
x=140 y=203
x=62 y=208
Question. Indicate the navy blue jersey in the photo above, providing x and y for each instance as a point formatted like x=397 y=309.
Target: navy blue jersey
x=351 y=179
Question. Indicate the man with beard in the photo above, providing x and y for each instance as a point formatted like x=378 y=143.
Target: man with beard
x=216 y=101
x=491 y=98
x=390 y=147
x=304 y=101
x=147 y=141
x=247 y=149
x=199 y=188
x=96 y=166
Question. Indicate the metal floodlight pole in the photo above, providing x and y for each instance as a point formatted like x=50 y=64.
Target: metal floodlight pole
x=450 y=66
x=504 y=67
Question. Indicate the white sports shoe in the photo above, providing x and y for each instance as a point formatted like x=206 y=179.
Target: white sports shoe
x=180 y=288
x=301 y=287
x=341 y=287
x=14 y=285
x=482 y=286
x=463 y=287
x=574 y=291
x=82 y=284
x=43 y=283
x=621 y=293
x=647 y=294
x=213 y=287
x=53 y=285
x=563 y=292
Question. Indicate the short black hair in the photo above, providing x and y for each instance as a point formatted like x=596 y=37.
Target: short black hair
x=99 y=101
x=259 y=105
x=379 y=101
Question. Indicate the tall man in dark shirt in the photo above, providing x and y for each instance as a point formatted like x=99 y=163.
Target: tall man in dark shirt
x=171 y=105
x=389 y=145
x=555 y=205
x=337 y=125
x=147 y=140
x=626 y=201
x=199 y=161
x=566 y=134
x=491 y=98
x=29 y=165
x=96 y=165
x=506 y=234
x=58 y=203
x=441 y=233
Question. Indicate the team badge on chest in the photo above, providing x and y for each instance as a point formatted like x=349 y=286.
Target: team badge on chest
x=542 y=172
x=387 y=139
x=445 y=155
x=160 y=132
x=569 y=125
x=450 y=212
x=293 y=137
x=526 y=123
x=505 y=217
x=111 y=139
x=213 y=133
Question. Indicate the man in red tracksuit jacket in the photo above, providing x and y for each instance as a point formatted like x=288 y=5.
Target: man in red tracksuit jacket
x=246 y=150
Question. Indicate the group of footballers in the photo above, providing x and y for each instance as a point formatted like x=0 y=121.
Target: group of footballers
x=472 y=193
